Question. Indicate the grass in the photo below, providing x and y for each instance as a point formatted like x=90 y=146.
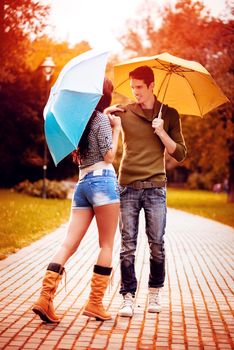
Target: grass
x=208 y=204
x=25 y=219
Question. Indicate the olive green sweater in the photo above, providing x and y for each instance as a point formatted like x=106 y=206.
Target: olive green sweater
x=143 y=151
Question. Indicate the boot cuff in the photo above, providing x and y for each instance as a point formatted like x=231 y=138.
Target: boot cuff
x=102 y=270
x=55 y=268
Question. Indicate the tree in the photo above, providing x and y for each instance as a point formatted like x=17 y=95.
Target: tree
x=61 y=53
x=21 y=115
x=189 y=31
x=19 y=22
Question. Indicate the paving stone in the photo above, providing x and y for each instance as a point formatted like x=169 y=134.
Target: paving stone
x=197 y=297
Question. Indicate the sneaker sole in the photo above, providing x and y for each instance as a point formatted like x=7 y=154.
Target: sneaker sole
x=154 y=311
x=124 y=314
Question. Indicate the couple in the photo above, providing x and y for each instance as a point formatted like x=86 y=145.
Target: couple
x=142 y=184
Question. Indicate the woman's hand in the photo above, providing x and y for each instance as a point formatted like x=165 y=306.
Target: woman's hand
x=115 y=121
x=113 y=109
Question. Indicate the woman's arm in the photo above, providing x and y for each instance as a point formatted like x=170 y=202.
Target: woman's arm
x=116 y=126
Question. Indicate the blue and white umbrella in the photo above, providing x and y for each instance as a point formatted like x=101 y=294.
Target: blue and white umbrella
x=72 y=101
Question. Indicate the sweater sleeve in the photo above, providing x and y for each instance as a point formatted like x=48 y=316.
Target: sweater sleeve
x=175 y=132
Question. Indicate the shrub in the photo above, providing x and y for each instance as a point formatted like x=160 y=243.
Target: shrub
x=201 y=181
x=54 y=189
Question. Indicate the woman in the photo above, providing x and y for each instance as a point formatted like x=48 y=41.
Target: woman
x=96 y=193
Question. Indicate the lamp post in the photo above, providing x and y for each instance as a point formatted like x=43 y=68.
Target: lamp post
x=47 y=66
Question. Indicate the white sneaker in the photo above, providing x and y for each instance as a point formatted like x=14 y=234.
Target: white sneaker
x=126 y=309
x=155 y=300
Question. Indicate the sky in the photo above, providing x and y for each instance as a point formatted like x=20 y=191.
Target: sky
x=101 y=22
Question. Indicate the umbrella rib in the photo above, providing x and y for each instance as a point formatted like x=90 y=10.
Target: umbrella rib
x=168 y=74
x=121 y=83
x=174 y=68
x=159 y=90
x=193 y=94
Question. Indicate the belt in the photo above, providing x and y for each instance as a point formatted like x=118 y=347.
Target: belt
x=138 y=185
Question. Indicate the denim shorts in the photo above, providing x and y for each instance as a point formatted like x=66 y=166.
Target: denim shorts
x=99 y=187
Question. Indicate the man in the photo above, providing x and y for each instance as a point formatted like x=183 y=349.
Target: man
x=142 y=180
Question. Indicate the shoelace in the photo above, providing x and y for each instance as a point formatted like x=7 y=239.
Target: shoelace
x=154 y=297
x=111 y=281
x=127 y=302
x=65 y=279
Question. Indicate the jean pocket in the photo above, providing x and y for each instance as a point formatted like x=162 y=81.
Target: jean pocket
x=161 y=192
x=122 y=190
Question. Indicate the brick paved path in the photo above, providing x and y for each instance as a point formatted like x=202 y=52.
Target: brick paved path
x=197 y=304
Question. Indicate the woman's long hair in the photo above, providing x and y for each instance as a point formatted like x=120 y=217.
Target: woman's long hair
x=104 y=102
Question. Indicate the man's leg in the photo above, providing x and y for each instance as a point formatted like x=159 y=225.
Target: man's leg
x=130 y=207
x=154 y=202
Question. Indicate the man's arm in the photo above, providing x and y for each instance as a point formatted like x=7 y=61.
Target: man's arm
x=174 y=141
x=169 y=144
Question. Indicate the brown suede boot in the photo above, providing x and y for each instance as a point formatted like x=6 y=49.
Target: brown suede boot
x=44 y=305
x=99 y=283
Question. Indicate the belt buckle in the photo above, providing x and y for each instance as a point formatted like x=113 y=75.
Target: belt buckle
x=144 y=184
x=138 y=185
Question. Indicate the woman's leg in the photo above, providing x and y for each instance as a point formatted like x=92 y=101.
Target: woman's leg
x=107 y=221
x=80 y=220
x=78 y=225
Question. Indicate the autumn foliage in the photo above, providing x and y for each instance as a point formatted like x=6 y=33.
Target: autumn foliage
x=190 y=32
x=186 y=30
x=23 y=90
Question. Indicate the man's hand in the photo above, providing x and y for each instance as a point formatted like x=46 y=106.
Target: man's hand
x=113 y=109
x=170 y=144
x=157 y=124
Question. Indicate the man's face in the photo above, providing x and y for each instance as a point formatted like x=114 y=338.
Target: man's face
x=140 y=90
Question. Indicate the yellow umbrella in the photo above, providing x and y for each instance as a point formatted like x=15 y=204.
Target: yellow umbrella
x=185 y=85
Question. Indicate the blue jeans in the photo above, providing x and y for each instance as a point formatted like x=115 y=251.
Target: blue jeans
x=97 y=188
x=153 y=202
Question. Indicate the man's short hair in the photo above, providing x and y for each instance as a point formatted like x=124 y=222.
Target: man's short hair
x=144 y=73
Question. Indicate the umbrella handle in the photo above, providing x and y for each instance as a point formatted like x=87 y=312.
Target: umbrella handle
x=160 y=112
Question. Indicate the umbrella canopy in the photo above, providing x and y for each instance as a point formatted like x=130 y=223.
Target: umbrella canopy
x=72 y=101
x=185 y=85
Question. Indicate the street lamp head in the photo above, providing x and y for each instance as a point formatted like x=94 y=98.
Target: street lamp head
x=48 y=67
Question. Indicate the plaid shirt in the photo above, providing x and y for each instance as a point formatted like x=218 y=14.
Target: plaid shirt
x=100 y=140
